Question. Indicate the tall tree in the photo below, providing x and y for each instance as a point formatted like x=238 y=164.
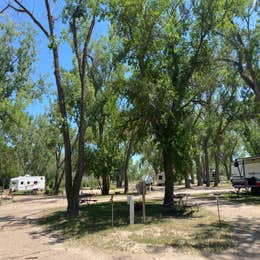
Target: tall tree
x=240 y=41
x=165 y=43
x=81 y=18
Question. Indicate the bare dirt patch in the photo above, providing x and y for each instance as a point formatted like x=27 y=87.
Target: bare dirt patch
x=22 y=238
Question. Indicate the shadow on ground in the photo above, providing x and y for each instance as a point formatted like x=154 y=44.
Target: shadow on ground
x=247 y=243
x=97 y=217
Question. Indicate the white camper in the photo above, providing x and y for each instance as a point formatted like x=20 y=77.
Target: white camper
x=246 y=173
x=27 y=183
x=160 y=179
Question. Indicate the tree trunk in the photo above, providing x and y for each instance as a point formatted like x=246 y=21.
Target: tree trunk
x=127 y=158
x=229 y=167
x=81 y=56
x=105 y=184
x=57 y=185
x=3 y=184
x=192 y=177
x=199 y=170
x=72 y=209
x=187 y=182
x=217 y=162
x=72 y=186
x=58 y=166
x=226 y=170
x=73 y=205
x=206 y=155
x=168 y=171
x=119 y=180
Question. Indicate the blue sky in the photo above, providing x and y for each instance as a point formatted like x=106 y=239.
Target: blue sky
x=44 y=65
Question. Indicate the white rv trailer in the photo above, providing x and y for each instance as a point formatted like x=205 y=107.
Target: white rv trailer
x=160 y=179
x=246 y=173
x=27 y=183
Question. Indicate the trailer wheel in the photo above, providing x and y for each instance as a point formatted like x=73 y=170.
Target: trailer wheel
x=255 y=190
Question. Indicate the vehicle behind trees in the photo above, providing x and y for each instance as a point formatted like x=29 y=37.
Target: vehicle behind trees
x=246 y=174
x=27 y=183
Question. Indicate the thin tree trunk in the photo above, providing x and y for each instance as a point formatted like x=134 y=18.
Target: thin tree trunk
x=57 y=185
x=198 y=170
x=3 y=184
x=187 y=182
x=58 y=166
x=226 y=170
x=206 y=155
x=127 y=158
x=72 y=186
x=119 y=181
x=168 y=171
x=229 y=167
x=65 y=128
x=81 y=56
x=217 y=162
x=192 y=177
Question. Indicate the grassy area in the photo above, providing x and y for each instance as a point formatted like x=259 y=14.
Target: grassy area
x=246 y=198
x=183 y=228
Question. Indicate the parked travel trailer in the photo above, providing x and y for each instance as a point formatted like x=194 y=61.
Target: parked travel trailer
x=246 y=173
x=148 y=179
x=160 y=179
x=27 y=183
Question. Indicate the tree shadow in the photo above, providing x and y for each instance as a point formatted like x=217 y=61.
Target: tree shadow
x=246 y=241
x=97 y=217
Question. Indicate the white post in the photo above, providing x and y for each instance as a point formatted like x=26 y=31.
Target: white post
x=130 y=200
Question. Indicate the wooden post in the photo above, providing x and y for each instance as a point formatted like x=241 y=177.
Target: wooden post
x=112 y=215
x=143 y=200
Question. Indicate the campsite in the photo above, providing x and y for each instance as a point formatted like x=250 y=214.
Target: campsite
x=34 y=227
x=129 y=129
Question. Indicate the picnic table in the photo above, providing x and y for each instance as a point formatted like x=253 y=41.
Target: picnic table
x=6 y=195
x=87 y=197
x=181 y=197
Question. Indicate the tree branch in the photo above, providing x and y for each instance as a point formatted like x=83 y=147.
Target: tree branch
x=25 y=10
x=4 y=9
x=75 y=41
x=85 y=49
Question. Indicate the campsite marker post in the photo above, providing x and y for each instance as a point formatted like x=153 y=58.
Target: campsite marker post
x=112 y=200
x=217 y=201
x=143 y=200
x=130 y=200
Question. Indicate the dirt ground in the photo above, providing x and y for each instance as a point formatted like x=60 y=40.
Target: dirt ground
x=22 y=238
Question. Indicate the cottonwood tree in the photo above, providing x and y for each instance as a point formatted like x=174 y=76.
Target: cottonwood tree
x=239 y=33
x=165 y=43
x=80 y=18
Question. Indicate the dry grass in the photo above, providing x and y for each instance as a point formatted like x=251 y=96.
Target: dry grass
x=180 y=228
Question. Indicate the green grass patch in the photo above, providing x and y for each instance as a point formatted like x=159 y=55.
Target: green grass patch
x=200 y=233
x=183 y=228
x=97 y=217
x=246 y=198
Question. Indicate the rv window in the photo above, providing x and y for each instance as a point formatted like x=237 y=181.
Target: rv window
x=13 y=183
x=160 y=177
x=21 y=182
x=28 y=182
x=35 y=182
x=41 y=178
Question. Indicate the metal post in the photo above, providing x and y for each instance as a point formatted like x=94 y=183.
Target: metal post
x=218 y=208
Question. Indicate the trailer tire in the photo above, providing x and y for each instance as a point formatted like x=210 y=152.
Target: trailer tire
x=255 y=190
